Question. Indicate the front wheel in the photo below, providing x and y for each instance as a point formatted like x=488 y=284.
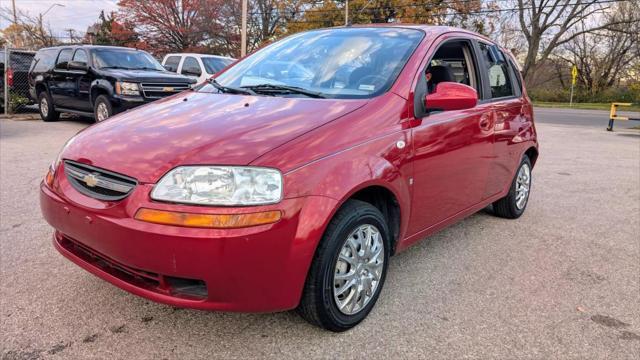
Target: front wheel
x=513 y=205
x=348 y=270
x=102 y=108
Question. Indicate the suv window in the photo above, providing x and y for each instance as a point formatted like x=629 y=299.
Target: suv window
x=213 y=65
x=64 y=57
x=44 y=60
x=171 y=63
x=81 y=56
x=191 y=67
x=497 y=71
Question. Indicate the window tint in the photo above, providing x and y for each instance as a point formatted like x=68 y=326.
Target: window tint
x=65 y=56
x=44 y=60
x=213 y=65
x=496 y=71
x=81 y=56
x=20 y=61
x=171 y=63
x=191 y=67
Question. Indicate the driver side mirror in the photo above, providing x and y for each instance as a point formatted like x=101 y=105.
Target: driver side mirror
x=451 y=96
x=77 y=65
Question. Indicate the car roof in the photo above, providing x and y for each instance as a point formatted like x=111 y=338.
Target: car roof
x=88 y=47
x=200 y=55
x=431 y=29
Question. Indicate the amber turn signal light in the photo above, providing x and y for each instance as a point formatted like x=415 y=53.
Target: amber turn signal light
x=213 y=221
x=48 y=179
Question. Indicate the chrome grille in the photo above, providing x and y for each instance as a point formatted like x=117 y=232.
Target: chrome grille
x=159 y=90
x=98 y=183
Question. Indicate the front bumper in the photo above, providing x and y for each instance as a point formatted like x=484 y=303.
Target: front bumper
x=256 y=269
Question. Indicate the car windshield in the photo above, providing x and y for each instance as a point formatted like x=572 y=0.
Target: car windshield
x=213 y=65
x=125 y=59
x=336 y=63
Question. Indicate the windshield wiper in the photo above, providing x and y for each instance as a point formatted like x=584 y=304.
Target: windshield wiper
x=147 y=68
x=230 y=89
x=290 y=89
x=115 y=67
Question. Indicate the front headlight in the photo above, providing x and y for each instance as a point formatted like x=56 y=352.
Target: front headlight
x=220 y=185
x=127 y=88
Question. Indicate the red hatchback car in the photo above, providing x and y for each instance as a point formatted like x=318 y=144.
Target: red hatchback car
x=289 y=180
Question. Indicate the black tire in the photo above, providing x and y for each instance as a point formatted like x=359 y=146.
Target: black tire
x=45 y=107
x=317 y=305
x=102 y=100
x=507 y=206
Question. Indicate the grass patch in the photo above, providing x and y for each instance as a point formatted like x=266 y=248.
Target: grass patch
x=586 y=106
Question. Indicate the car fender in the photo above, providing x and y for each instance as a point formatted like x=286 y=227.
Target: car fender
x=101 y=84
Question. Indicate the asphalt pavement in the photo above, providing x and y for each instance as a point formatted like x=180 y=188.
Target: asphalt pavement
x=563 y=281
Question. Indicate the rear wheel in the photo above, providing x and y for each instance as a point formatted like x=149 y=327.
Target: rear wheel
x=102 y=108
x=513 y=205
x=348 y=270
x=45 y=106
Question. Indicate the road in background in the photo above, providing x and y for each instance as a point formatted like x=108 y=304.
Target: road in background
x=560 y=282
x=591 y=118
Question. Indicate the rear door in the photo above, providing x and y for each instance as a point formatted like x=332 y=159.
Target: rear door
x=505 y=98
x=61 y=85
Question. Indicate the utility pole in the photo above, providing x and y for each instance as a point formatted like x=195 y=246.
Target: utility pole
x=346 y=13
x=15 y=15
x=243 y=35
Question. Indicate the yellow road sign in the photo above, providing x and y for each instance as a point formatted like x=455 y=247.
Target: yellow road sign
x=574 y=74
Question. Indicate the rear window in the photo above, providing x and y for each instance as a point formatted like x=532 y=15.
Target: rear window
x=65 y=56
x=44 y=60
x=20 y=61
x=171 y=63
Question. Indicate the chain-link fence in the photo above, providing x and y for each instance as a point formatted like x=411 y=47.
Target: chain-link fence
x=14 y=92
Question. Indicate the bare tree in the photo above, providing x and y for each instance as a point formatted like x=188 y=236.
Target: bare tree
x=603 y=56
x=548 y=24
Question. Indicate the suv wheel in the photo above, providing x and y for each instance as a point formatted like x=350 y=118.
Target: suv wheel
x=514 y=204
x=102 y=108
x=45 y=105
x=348 y=270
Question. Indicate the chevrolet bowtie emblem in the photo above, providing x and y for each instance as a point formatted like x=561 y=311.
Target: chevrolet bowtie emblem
x=90 y=179
x=167 y=88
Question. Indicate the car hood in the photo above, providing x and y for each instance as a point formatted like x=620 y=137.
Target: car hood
x=148 y=76
x=199 y=128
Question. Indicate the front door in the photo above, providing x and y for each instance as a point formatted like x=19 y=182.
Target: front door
x=452 y=149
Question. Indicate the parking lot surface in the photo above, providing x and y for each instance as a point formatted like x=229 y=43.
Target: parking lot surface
x=563 y=281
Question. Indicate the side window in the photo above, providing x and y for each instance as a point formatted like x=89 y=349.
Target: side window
x=171 y=63
x=64 y=57
x=80 y=56
x=496 y=71
x=515 y=70
x=191 y=67
x=44 y=60
x=452 y=62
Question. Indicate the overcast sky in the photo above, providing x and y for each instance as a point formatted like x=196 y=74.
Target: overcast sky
x=76 y=14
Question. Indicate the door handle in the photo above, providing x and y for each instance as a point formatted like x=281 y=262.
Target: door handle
x=485 y=122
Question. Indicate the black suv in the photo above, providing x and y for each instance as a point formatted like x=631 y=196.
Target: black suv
x=98 y=81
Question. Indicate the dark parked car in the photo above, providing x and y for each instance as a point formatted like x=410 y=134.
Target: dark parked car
x=17 y=73
x=98 y=81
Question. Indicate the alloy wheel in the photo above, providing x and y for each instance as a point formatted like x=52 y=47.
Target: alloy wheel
x=44 y=107
x=102 y=113
x=358 y=269
x=523 y=185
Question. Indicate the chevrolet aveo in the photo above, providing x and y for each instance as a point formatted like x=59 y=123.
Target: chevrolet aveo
x=289 y=180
